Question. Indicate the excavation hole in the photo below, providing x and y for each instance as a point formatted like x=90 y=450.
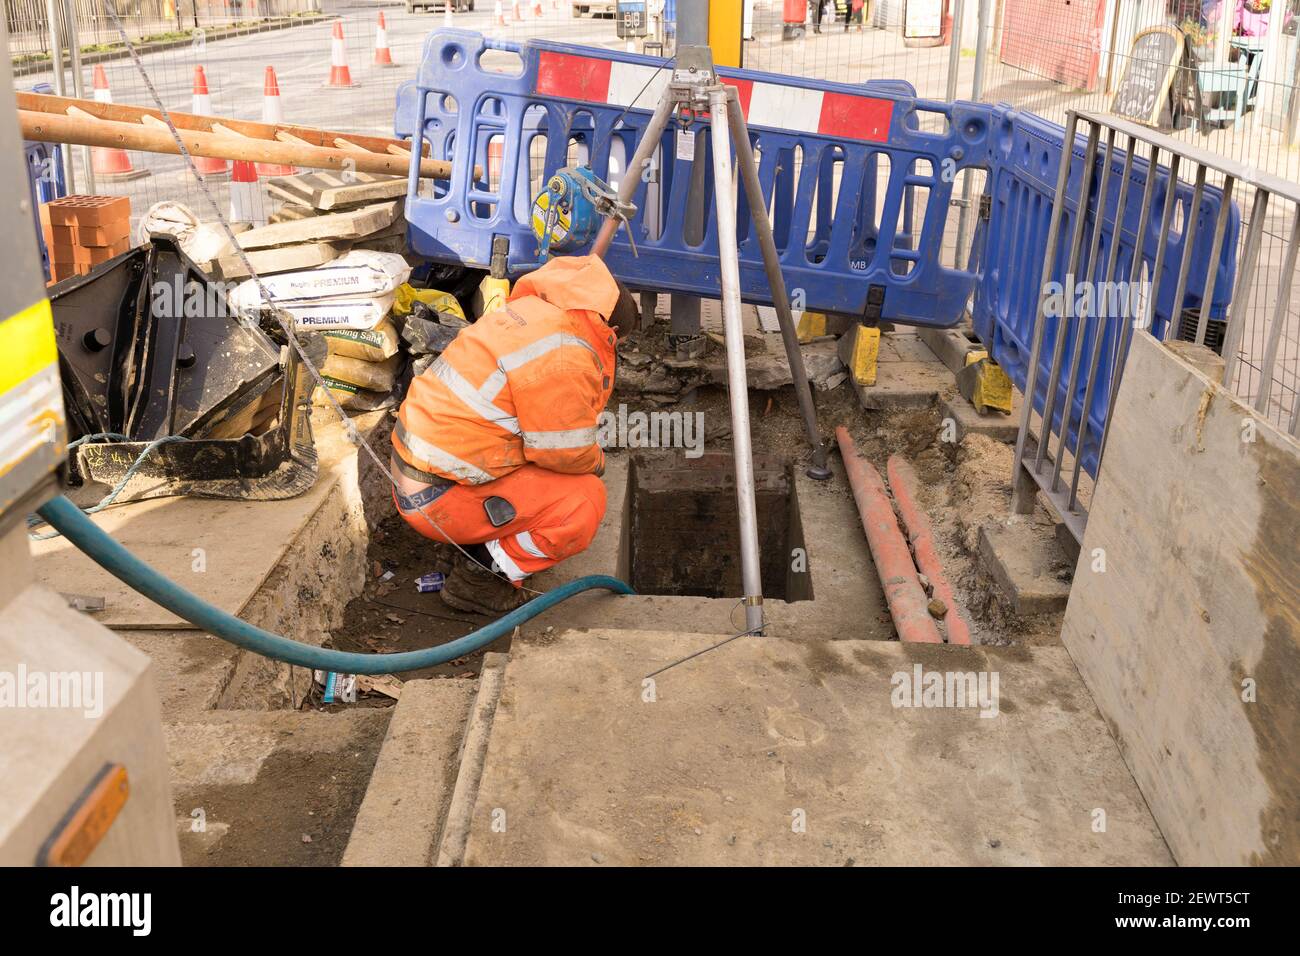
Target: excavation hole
x=681 y=533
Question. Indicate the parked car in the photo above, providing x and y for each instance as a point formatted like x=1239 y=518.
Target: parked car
x=597 y=8
x=432 y=6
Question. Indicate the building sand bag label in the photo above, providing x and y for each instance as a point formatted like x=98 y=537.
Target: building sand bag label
x=371 y=345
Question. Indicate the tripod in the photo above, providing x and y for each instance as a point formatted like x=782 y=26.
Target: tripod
x=693 y=89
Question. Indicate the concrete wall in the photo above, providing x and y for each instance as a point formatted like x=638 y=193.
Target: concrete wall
x=1188 y=635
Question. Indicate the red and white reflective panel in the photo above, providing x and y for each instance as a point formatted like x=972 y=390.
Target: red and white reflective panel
x=774 y=105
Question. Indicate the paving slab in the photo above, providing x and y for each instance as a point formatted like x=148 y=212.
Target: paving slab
x=968 y=421
x=783 y=752
x=1027 y=564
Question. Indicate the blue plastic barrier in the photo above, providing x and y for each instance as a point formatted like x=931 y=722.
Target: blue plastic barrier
x=44 y=179
x=1012 y=244
x=845 y=228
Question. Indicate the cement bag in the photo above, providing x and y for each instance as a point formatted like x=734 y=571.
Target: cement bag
x=351 y=397
x=376 y=376
x=361 y=274
x=372 y=345
x=360 y=315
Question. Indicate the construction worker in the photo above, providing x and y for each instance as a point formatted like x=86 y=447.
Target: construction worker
x=495 y=447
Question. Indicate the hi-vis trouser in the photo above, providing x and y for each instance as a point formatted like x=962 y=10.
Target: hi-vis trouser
x=555 y=517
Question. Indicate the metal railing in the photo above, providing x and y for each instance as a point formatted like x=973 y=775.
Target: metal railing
x=1261 y=365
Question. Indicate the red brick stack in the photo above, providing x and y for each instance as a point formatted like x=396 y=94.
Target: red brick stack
x=83 y=231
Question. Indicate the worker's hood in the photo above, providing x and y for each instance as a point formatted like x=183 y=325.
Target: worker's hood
x=572 y=282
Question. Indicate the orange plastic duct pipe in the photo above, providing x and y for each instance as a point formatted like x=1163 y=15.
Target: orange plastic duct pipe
x=898 y=576
x=916 y=524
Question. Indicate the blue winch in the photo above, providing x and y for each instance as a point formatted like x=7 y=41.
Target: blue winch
x=568 y=213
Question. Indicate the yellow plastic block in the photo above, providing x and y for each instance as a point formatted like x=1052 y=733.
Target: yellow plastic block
x=866 y=350
x=986 y=386
x=812 y=325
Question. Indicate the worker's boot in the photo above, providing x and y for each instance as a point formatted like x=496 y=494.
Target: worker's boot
x=473 y=588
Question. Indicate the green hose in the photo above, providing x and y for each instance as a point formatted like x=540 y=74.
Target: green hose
x=118 y=561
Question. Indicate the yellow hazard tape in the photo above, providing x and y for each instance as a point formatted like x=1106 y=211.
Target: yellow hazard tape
x=27 y=344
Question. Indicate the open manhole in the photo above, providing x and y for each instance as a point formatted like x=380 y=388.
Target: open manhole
x=681 y=530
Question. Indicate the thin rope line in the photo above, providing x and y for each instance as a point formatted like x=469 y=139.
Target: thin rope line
x=282 y=317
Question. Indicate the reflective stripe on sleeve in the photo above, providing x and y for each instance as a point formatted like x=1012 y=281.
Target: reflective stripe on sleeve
x=554 y=440
x=472 y=398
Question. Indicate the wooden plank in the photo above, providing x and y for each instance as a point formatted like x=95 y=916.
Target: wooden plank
x=306 y=255
x=120 y=112
x=353 y=224
x=328 y=190
x=88 y=126
x=1189 y=634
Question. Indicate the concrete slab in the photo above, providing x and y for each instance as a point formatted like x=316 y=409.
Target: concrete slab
x=202 y=543
x=997 y=426
x=1027 y=565
x=908 y=375
x=950 y=345
x=406 y=801
x=786 y=752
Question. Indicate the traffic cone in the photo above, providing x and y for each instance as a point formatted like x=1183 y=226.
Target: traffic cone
x=340 y=75
x=383 y=56
x=499 y=14
x=538 y=12
x=273 y=112
x=111 y=162
x=515 y=15
x=201 y=105
x=247 y=204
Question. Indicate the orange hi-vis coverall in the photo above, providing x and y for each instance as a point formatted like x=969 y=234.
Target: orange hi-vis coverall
x=510 y=412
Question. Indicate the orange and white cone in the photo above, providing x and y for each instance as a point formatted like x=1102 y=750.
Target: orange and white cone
x=247 y=204
x=383 y=55
x=110 y=162
x=201 y=105
x=499 y=15
x=340 y=75
x=273 y=113
x=515 y=15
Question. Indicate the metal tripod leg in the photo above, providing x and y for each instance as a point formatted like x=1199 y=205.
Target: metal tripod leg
x=775 y=279
x=650 y=140
x=737 y=383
